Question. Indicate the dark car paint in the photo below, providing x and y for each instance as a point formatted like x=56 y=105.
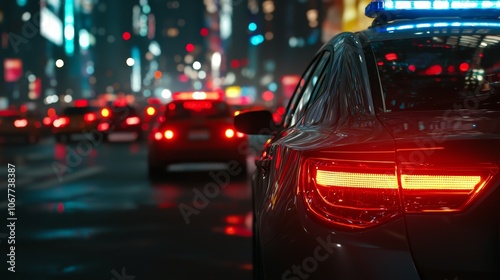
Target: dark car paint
x=412 y=246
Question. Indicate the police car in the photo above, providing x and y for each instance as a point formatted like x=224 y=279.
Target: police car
x=386 y=165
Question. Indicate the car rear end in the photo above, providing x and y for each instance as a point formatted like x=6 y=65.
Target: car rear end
x=15 y=125
x=441 y=103
x=413 y=193
x=78 y=120
x=120 y=120
x=196 y=131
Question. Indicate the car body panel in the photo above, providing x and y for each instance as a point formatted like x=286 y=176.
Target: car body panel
x=29 y=131
x=77 y=125
x=350 y=123
x=196 y=137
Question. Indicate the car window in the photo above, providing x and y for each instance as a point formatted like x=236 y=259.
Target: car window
x=429 y=73
x=305 y=88
x=197 y=109
x=343 y=91
x=311 y=91
x=71 y=111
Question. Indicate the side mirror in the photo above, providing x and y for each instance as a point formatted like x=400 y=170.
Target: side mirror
x=255 y=122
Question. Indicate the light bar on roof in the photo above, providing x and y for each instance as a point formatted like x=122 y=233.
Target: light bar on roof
x=197 y=95
x=400 y=8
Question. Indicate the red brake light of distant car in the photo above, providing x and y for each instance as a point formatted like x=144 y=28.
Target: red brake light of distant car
x=81 y=103
x=132 y=121
x=105 y=112
x=20 y=123
x=229 y=133
x=364 y=194
x=158 y=136
x=122 y=102
x=103 y=126
x=196 y=105
x=90 y=117
x=47 y=121
x=150 y=111
x=442 y=189
x=61 y=122
x=351 y=194
x=169 y=134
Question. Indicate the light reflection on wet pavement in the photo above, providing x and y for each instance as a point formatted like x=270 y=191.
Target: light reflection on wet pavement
x=112 y=221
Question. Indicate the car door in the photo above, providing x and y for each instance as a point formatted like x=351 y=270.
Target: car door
x=266 y=182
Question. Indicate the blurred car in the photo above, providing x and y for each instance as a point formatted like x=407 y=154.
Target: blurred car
x=19 y=126
x=196 y=127
x=76 y=121
x=120 y=119
x=386 y=164
x=47 y=121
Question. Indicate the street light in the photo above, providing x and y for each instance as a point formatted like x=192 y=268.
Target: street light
x=130 y=61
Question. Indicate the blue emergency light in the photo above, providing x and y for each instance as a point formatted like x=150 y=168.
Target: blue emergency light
x=393 y=9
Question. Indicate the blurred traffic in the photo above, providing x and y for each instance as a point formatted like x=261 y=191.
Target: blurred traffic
x=116 y=120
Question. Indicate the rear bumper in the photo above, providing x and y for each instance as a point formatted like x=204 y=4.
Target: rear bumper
x=307 y=250
x=82 y=129
x=162 y=152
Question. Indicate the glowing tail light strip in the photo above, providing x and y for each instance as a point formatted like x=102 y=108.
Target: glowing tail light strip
x=439 y=182
x=132 y=121
x=356 y=180
x=361 y=194
x=20 y=123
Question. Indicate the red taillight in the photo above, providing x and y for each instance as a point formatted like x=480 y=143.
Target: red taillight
x=450 y=189
x=158 y=136
x=166 y=134
x=103 y=127
x=105 y=113
x=358 y=194
x=20 y=123
x=169 y=134
x=132 y=121
x=350 y=194
x=90 y=117
x=47 y=121
x=61 y=122
x=229 y=133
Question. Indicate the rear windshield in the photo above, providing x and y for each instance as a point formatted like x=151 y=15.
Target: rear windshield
x=72 y=111
x=440 y=72
x=197 y=109
x=123 y=110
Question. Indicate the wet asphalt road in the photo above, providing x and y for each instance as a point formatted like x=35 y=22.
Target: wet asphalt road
x=88 y=211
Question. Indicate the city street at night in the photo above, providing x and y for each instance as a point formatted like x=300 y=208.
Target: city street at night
x=87 y=210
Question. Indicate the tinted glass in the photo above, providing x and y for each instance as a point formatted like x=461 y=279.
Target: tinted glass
x=70 y=111
x=440 y=72
x=197 y=109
